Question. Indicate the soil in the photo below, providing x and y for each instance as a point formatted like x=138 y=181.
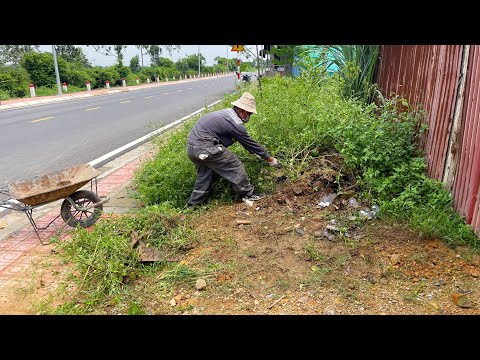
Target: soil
x=286 y=254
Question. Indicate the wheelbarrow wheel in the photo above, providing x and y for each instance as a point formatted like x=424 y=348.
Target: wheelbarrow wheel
x=86 y=218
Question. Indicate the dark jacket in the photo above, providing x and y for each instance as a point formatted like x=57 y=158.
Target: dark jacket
x=223 y=127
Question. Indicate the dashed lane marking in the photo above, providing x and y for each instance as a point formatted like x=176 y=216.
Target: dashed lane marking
x=42 y=119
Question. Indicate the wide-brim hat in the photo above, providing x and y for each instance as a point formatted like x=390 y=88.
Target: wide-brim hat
x=246 y=102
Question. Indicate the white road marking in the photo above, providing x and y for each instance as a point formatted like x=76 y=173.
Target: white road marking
x=51 y=117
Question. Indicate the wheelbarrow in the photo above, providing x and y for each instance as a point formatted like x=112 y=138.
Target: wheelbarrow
x=79 y=207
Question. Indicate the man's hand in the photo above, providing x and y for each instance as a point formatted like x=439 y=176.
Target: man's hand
x=273 y=162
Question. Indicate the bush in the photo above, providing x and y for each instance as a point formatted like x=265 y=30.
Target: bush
x=297 y=120
x=41 y=69
x=13 y=82
x=102 y=75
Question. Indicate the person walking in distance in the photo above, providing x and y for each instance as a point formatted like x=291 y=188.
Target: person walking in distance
x=207 y=145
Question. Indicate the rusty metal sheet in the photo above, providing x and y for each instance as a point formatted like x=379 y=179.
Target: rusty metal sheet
x=467 y=178
x=426 y=75
x=52 y=186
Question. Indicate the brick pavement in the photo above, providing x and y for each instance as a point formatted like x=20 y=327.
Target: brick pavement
x=13 y=249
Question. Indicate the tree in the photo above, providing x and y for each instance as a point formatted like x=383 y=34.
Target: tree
x=190 y=62
x=283 y=54
x=40 y=68
x=172 y=48
x=165 y=62
x=154 y=51
x=13 y=54
x=135 y=64
x=14 y=81
x=72 y=54
x=222 y=61
x=142 y=48
x=111 y=50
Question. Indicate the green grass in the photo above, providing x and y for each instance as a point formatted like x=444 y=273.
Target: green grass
x=44 y=91
x=103 y=263
x=297 y=120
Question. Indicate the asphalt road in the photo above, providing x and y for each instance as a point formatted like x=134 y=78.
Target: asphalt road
x=50 y=137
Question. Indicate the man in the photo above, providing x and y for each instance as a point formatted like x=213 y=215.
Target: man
x=207 y=147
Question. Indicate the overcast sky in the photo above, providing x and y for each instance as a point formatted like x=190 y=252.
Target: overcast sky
x=209 y=52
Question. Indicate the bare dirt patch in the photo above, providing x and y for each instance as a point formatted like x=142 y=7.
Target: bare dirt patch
x=288 y=255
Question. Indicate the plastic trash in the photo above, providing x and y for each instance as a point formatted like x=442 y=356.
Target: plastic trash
x=327 y=200
x=364 y=214
x=352 y=202
x=369 y=214
x=247 y=201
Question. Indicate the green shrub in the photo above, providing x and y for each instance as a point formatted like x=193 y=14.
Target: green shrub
x=297 y=120
x=14 y=82
x=102 y=75
x=41 y=69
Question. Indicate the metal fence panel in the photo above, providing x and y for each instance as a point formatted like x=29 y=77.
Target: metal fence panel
x=428 y=76
x=467 y=177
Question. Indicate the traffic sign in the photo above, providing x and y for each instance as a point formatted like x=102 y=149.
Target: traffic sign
x=238 y=48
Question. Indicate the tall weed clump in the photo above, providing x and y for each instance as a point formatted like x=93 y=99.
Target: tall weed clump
x=104 y=261
x=294 y=122
x=377 y=142
x=169 y=176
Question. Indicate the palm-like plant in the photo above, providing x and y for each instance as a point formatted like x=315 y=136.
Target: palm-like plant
x=356 y=66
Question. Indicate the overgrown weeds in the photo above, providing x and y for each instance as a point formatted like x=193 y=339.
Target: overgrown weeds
x=104 y=262
x=297 y=122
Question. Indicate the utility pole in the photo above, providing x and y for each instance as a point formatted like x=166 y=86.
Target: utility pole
x=227 y=58
x=238 y=65
x=198 y=60
x=258 y=69
x=141 y=54
x=59 y=88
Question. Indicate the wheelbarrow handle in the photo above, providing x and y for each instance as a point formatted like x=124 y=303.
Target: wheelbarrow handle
x=79 y=208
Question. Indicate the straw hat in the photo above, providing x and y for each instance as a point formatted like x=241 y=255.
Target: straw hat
x=246 y=102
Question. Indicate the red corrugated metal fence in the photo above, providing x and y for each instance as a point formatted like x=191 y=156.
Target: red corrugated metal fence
x=428 y=76
x=466 y=185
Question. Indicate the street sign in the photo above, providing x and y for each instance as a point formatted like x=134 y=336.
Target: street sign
x=238 y=48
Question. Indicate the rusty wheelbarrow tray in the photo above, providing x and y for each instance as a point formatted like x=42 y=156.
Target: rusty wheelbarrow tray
x=82 y=208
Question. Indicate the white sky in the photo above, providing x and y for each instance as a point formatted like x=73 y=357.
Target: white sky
x=209 y=52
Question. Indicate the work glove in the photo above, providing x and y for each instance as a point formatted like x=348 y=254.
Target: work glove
x=273 y=162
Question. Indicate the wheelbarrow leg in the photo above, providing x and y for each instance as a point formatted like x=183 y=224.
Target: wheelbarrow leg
x=30 y=218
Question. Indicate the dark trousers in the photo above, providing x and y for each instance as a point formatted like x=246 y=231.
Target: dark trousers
x=221 y=161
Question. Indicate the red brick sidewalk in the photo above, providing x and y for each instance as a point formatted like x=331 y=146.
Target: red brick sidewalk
x=14 y=248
